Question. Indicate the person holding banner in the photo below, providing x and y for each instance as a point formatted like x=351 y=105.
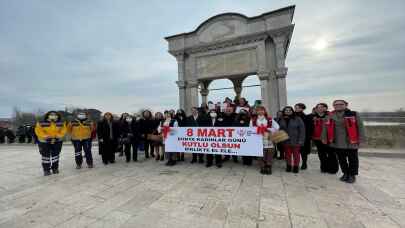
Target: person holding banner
x=265 y=125
x=227 y=119
x=295 y=128
x=196 y=120
x=243 y=120
x=164 y=129
x=181 y=119
x=210 y=157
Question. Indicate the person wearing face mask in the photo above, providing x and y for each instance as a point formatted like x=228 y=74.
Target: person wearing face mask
x=164 y=130
x=265 y=125
x=344 y=132
x=80 y=130
x=227 y=119
x=181 y=119
x=243 y=120
x=295 y=128
x=50 y=133
x=327 y=157
x=108 y=133
x=197 y=120
x=129 y=135
x=213 y=122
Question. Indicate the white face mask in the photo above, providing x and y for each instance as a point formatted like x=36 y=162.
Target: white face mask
x=128 y=119
x=81 y=116
x=52 y=117
x=213 y=115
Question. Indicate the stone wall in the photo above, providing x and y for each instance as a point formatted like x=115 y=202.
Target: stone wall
x=385 y=136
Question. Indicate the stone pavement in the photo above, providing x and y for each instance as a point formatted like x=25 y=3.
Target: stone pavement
x=149 y=194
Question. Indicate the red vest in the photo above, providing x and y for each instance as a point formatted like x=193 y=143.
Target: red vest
x=350 y=125
x=318 y=126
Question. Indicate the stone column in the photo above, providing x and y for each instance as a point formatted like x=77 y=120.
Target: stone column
x=237 y=86
x=181 y=83
x=191 y=99
x=204 y=91
x=182 y=94
x=281 y=70
x=269 y=92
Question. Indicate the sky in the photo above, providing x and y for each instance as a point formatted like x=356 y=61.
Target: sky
x=111 y=55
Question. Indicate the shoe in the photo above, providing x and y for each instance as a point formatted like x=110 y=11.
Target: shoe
x=157 y=158
x=344 y=177
x=78 y=166
x=162 y=158
x=219 y=165
x=351 y=179
x=47 y=173
x=269 y=171
x=263 y=170
x=128 y=160
x=193 y=161
x=304 y=166
x=135 y=160
x=295 y=169
x=112 y=161
x=208 y=165
x=153 y=155
x=121 y=154
x=90 y=166
x=288 y=169
x=169 y=163
x=55 y=171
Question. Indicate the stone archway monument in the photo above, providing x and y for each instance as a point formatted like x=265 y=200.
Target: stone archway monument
x=234 y=46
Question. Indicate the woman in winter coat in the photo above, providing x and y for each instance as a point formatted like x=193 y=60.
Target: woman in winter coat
x=265 y=125
x=295 y=128
x=181 y=119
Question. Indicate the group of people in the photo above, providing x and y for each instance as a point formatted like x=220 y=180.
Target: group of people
x=336 y=134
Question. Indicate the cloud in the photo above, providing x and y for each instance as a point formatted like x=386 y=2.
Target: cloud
x=112 y=55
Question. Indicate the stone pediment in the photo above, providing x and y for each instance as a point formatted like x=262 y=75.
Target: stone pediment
x=222 y=27
x=231 y=27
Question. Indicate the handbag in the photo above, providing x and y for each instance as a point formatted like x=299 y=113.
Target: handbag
x=155 y=138
x=279 y=136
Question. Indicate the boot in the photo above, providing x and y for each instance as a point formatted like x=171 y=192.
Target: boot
x=344 y=177
x=182 y=157
x=295 y=169
x=304 y=166
x=47 y=173
x=288 y=169
x=219 y=165
x=263 y=170
x=55 y=171
x=269 y=171
x=162 y=157
x=209 y=164
x=157 y=157
x=351 y=179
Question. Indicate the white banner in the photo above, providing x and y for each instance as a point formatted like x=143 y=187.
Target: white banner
x=215 y=140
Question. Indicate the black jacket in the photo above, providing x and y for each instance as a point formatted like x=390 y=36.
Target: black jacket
x=146 y=126
x=225 y=120
x=103 y=130
x=201 y=121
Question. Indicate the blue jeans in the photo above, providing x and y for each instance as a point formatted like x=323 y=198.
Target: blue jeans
x=85 y=145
